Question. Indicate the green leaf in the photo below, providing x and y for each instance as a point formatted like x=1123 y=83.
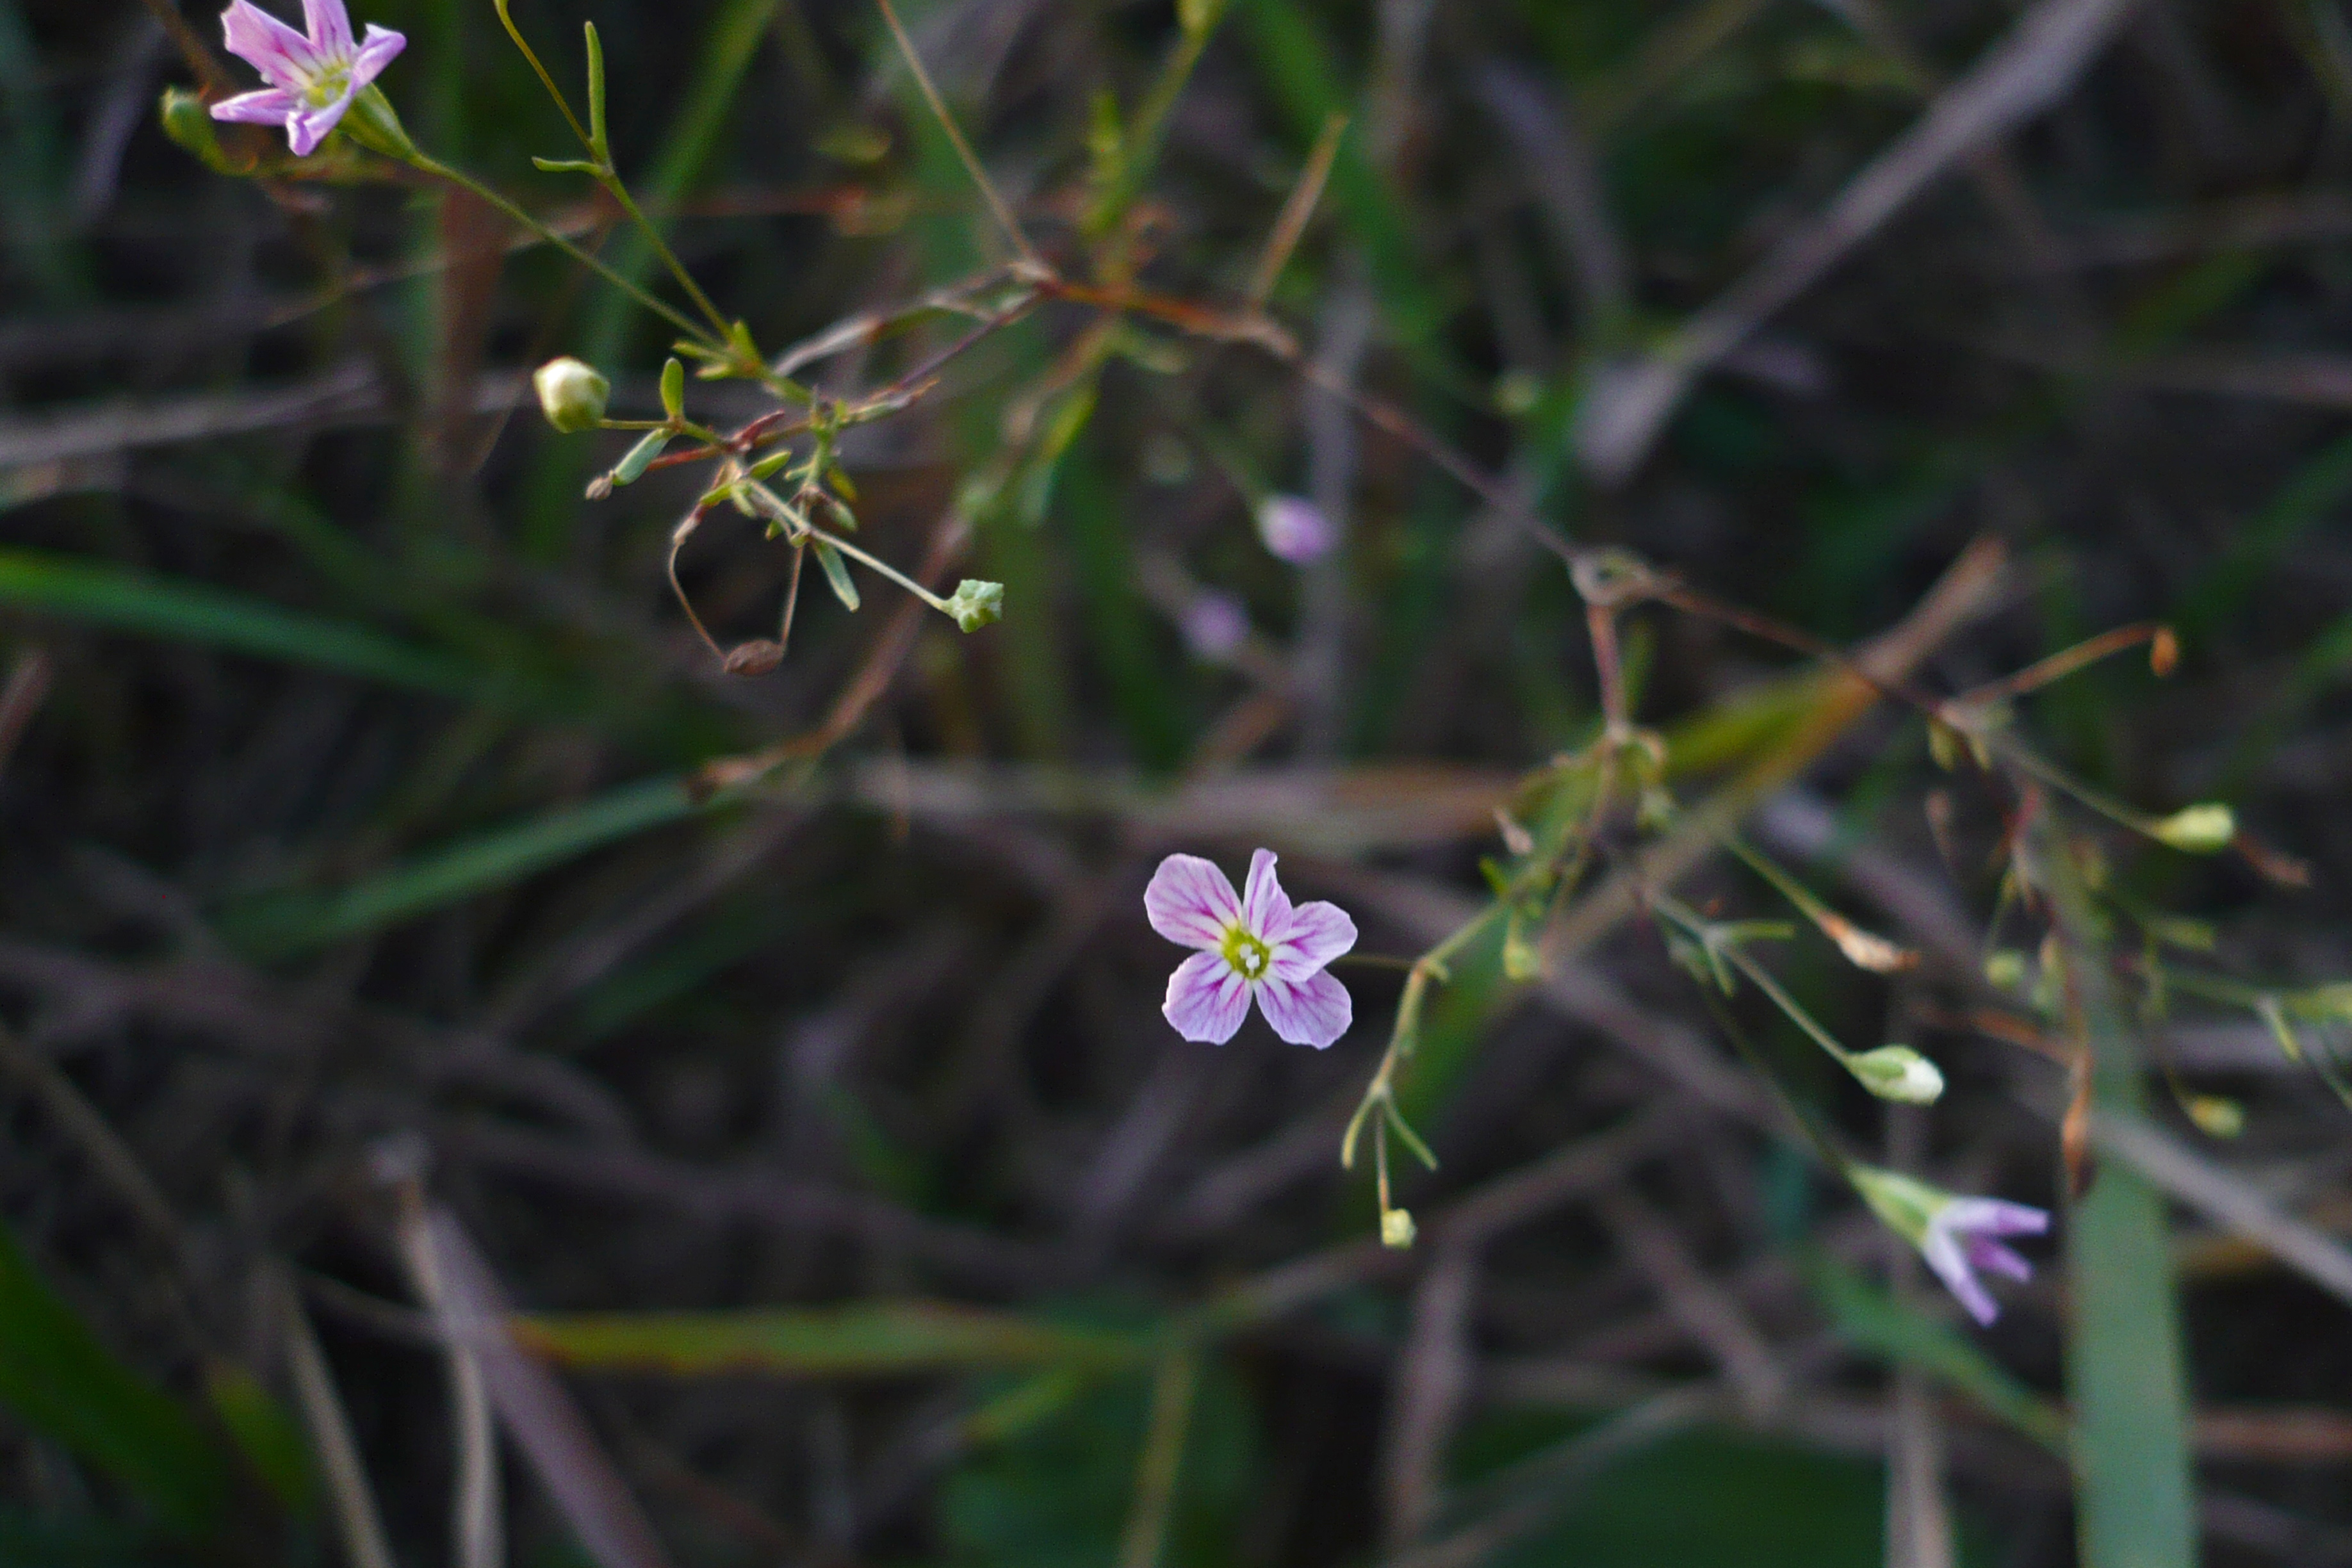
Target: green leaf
x=286 y=924
x=673 y=388
x=126 y=600
x=58 y=1379
x=267 y=1435
x=882 y=1338
x=836 y=570
x=1874 y=1319
x=631 y=468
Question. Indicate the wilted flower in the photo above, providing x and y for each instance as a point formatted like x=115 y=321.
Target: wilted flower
x=1295 y=528
x=312 y=79
x=1214 y=625
x=1255 y=945
x=571 y=393
x=1955 y=1235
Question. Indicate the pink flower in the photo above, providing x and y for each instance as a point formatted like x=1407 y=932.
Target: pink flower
x=1295 y=528
x=1955 y=1235
x=1255 y=945
x=312 y=79
x=1959 y=1241
x=1214 y=625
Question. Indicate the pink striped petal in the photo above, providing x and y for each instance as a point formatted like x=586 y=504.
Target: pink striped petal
x=1265 y=910
x=283 y=56
x=270 y=106
x=1191 y=902
x=328 y=25
x=1314 y=1011
x=1206 y=1000
x=376 y=51
x=1318 y=934
x=304 y=130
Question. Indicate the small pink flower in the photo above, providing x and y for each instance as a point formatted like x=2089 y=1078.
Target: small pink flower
x=1295 y=528
x=1955 y=1235
x=1253 y=945
x=312 y=78
x=1959 y=1241
x=1214 y=625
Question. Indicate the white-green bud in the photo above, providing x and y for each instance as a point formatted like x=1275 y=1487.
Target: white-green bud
x=1898 y=1073
x=571 y=393
x=2199 y=829
x=975 y=604
x=1397 y=1228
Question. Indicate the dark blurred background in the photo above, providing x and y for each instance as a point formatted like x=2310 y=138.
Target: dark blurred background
x=355 y=904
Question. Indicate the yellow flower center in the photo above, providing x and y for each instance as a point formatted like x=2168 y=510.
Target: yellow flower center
x=1250 y=957
x=326 y=87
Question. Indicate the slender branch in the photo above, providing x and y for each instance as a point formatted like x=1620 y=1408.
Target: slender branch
x=1002 y=214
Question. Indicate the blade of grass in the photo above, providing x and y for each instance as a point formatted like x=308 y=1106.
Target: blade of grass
x=61 y=1382
x=884 y=1339
x=133 y=601
x=2135 y=1498
x=286 y=925
x=1121 y=632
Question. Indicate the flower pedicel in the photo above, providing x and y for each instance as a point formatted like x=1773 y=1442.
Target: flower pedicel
x=1257 y=944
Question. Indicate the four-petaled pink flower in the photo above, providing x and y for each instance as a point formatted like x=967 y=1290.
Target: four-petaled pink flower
x=1256 y=945
x=312 y=79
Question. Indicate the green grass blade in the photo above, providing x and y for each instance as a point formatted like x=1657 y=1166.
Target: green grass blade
x=889 y=1338
x=1875 y=1321
x=287 y=925
x=126 y=600
x=1120 y=630
x=2125 y=1378
x=58 y=1380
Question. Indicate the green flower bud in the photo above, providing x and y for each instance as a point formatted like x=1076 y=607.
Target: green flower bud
x=975 y=604
x=1898 y=1073
x=1397 y=1228
x=571 y=394
x=2199 y=829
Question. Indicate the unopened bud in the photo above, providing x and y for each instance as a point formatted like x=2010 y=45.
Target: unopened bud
x=1898 y=1073
x=975 y=604
x=571 y=393
x=2199 y=829
x=1397 y=1228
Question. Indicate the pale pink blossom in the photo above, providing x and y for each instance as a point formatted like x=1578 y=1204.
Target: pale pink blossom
x=1215 y=626
x=1957 y=1236
x=1255 y=944
x=313 y=76
x=1295 y=528
x=1959 y=1241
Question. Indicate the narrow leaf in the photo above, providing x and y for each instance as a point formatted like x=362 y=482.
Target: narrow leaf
x=126 y=600
x=836 y=570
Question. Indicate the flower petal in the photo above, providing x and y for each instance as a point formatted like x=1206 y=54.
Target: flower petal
x=304 y=130
x=270 y=106
x=1191 y=902
x=1942 y=1252
x=328 y=25
x=377 y=50
x=1318 y=934
x=1992 y=1216
x=283 y=56
x=1266 y=908
x=1206 y=1000
x=1985 y=1253
x=1314 y=1011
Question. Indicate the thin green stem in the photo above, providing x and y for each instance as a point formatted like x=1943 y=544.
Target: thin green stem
x=1002 y=214
x=426 y=164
